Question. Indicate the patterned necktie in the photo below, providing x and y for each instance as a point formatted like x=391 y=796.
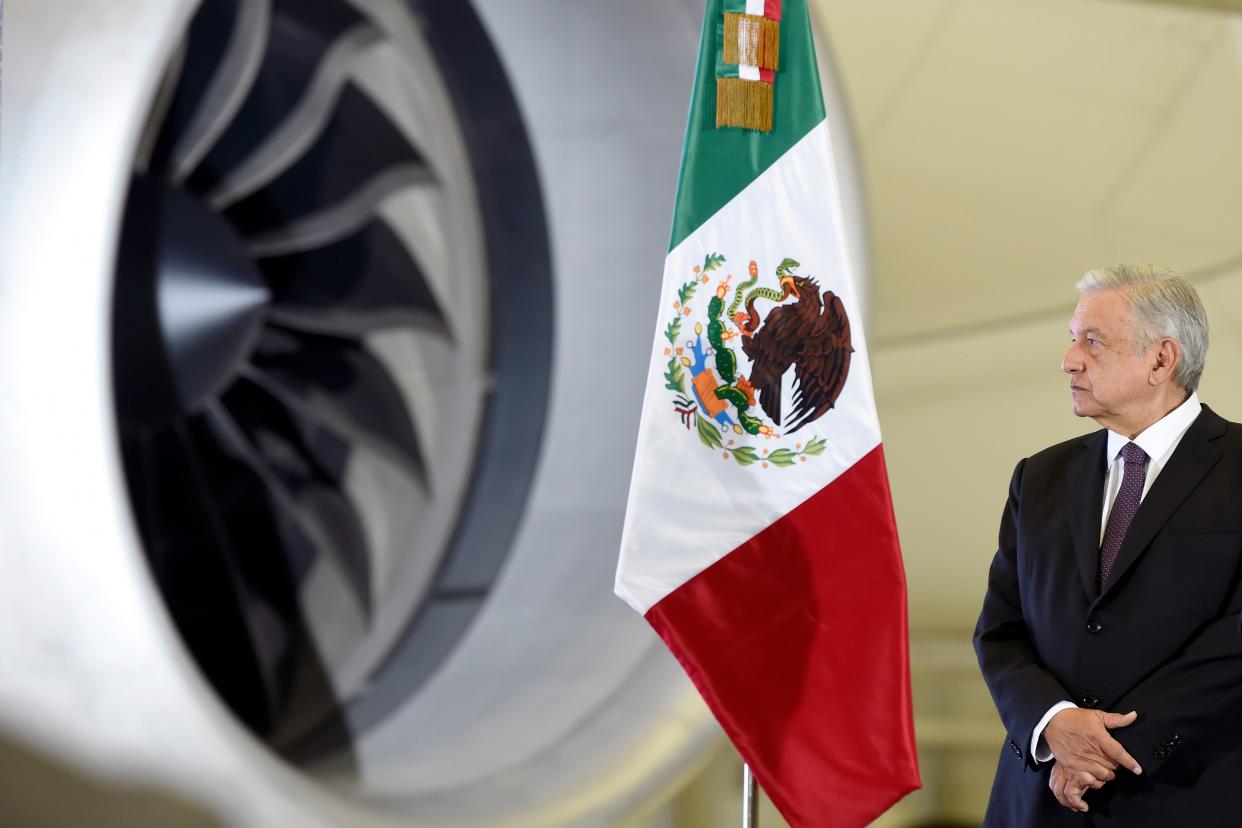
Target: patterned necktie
x=1124 y=507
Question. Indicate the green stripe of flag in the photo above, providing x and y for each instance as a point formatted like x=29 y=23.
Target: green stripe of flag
x=717 y=164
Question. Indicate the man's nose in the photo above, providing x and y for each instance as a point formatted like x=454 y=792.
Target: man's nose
x=1070 y=363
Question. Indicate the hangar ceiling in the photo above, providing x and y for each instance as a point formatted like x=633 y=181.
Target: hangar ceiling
x=1008 y=146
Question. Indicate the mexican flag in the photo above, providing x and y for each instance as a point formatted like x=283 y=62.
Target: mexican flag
x=759 y=537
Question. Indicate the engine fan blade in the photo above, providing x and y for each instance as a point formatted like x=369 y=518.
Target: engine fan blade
x=154 y=128
x=301 y=35
x=341 y=386
x=228 y=89
x=358 y=143
x=342 y=219
x=213 y=24
x=289 y=140
x=263 y=436
x=363 y=283
x=235 y=632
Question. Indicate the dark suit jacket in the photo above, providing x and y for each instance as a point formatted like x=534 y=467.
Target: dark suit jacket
x=1162 y=638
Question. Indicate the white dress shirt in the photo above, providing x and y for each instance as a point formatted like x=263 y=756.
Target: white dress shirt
x=1158 y=441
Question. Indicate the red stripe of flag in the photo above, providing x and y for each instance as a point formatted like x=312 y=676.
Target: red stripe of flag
x=797 y=641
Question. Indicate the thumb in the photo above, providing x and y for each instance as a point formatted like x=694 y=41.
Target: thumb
x=1115 y=720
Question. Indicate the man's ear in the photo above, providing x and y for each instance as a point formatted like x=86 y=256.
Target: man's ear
x=1167 y=356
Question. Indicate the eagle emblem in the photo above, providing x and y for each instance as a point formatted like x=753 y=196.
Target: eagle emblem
x=727 y=378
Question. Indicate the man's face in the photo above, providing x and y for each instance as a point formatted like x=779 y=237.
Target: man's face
x=1109 y=381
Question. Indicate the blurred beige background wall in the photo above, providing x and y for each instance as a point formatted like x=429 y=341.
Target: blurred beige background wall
x=1007 y=147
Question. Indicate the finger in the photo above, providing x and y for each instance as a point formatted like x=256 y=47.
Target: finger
x=1098 y=757
x=1064 y=790
x=1074 y=797
x=1057 y=783
x=1113 y=720
x=1113 y=749
x=1102 y=772
x=1096 y=762
x=1088 y=780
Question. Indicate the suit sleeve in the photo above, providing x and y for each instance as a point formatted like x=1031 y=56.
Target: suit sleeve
x=1022 y=688
x=1185 y=702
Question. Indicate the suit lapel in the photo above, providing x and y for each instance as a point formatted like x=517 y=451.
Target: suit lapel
x=1193 y=458
x=1086 y=496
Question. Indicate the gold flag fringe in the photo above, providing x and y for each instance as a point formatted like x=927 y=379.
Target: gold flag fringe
x=752 y=40
x=743 y=103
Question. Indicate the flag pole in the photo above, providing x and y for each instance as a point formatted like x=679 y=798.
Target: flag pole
x=750 y=799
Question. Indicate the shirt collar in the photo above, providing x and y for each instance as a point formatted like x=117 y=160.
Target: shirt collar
x=1159 y=437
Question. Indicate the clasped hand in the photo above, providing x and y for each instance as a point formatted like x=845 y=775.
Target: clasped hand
x=1086 y=754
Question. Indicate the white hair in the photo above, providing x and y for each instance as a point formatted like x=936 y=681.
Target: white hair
x=1165 y=306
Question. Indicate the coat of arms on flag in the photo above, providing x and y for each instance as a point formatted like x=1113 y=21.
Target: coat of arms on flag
x=738 y=356
x=780 y=592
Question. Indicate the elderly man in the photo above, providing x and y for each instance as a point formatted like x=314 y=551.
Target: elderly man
x=1109 y=631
